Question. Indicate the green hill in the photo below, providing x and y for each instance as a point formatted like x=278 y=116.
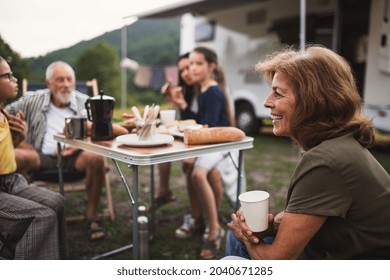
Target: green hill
x=149 y=41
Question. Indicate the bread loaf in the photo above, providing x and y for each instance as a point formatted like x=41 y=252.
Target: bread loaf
x=119 y=130
x=213 y=135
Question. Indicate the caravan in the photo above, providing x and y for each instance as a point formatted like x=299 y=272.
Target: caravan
x=242 y=32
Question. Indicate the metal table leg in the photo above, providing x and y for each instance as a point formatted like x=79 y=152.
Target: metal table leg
x=59 y=165
x=62 y=192
x=240 y=176
x=134 y=202
x=153 y=212
x=135 y=213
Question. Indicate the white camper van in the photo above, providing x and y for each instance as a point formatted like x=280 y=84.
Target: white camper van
x=244 y=31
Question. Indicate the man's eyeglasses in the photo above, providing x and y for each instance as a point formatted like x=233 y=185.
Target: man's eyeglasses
x=9 y=75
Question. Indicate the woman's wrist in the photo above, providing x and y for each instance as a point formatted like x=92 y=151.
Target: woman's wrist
x=182 y=105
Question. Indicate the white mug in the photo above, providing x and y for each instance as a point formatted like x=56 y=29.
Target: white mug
x=167 y=116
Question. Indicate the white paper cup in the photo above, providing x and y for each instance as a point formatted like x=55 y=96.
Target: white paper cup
x=254 y=204
x=167 y=116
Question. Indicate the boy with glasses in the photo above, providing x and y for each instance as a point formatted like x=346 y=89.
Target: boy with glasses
x=32 y=220
x=9 y=75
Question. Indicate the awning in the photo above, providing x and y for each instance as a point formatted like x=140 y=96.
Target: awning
x=196 y=7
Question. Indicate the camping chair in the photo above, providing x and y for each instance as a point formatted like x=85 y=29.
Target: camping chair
x=74 y=180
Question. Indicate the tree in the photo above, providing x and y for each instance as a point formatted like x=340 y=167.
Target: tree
x=18 y=65
x=101 y=62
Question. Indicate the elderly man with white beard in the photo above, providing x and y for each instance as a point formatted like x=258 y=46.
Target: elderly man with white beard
x=45 y=111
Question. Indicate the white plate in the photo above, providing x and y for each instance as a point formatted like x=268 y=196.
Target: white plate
x=174 y=130
x=132 y=140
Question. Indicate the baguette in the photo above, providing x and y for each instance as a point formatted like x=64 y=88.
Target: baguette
x=213 y=135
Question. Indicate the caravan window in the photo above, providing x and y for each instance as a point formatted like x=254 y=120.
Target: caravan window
x=205 y=31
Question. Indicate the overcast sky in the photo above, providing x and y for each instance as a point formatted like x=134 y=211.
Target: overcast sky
x=36 y=27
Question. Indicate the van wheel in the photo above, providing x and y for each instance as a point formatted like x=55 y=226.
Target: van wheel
x=246 y=119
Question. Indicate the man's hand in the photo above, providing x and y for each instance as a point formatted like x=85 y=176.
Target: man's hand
x=18 y=128
x=67 y=151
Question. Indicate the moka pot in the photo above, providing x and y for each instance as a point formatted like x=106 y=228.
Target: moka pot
x=100 y=109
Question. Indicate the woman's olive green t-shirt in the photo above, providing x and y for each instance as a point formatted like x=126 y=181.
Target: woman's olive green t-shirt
x=341 y=180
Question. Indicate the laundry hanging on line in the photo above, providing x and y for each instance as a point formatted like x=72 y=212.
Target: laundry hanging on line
x=155 y=76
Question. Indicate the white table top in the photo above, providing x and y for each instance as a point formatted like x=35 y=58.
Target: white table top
x=153 y=155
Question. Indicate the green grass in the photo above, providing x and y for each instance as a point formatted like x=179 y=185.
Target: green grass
x=268 y=166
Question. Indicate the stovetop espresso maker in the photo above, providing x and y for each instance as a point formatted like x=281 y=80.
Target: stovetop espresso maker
x=100 y=109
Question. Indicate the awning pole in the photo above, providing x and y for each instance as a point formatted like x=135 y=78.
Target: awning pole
x=302 y=35
x=123 y=69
